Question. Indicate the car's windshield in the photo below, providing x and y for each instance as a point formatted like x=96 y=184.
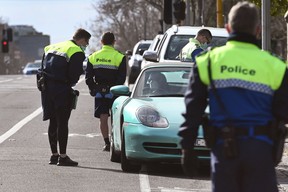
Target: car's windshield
x=162 y=82
x=177 y=42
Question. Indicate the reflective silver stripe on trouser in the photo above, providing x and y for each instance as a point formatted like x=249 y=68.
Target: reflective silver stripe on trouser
x=259 y=87
x=60 y=54
x=105 y=66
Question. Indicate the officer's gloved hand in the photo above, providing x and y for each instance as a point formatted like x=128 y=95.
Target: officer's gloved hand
x=92 y=92
x=189 y=162
x=109 y=95
x=98 y=95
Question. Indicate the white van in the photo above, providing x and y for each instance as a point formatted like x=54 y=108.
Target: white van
x=176 y=37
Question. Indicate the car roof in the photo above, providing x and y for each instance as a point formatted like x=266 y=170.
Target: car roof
x=192 y=30
x=169 y=64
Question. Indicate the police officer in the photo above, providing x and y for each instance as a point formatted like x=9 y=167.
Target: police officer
x=249 y=89
x=63 y=65
x=196 y=45
x=105 y=68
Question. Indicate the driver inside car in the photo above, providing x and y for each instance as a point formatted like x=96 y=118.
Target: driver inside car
x=157 y=83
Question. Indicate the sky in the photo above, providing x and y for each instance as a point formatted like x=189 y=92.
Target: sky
x=57 y=18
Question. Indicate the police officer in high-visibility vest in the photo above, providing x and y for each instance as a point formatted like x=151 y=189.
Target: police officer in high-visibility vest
x=62 y=67
x=247 y=90
x=196 y=45
x=105 y=68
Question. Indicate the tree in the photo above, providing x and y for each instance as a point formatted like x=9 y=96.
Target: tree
x=133 y=20
x=278 y=7
x=129 y=20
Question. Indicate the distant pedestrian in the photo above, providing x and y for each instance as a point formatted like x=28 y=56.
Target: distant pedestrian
x=247 y=90
x=63 y=65
x=105 y=68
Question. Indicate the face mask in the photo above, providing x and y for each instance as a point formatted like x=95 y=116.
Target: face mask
x=204 y=46
x=83 y=47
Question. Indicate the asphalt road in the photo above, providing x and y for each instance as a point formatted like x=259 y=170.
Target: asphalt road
x=25 y=151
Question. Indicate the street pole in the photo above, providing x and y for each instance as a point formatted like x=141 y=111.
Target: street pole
x=266 y=32
x=286 y=19
x=219 y=12
x=188 y=13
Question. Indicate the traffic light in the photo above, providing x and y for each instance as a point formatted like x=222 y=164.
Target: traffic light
x=5 y=46
x=179 y=10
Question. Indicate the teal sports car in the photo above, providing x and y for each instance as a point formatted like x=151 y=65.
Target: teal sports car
x=145 y=122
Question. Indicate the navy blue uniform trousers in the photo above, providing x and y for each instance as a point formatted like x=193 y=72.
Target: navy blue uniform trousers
x=251 y=171
x=58 y=129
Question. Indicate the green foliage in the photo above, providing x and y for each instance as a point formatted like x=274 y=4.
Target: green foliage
x=278 y=7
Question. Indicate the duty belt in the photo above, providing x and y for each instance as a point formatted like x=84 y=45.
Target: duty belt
x=246 y=131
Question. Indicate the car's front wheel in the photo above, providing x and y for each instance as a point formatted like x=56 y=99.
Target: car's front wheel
x=127 y=165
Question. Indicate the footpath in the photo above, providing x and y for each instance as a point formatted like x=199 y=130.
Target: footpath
x=282 y=171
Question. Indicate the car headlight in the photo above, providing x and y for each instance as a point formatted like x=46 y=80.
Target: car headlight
x=150 y=117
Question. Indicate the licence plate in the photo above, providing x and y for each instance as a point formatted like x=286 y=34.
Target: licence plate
x=200 y=142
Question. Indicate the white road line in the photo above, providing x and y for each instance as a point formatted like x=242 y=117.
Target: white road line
x=7 y=80
x=144 y=180
x=19 y=125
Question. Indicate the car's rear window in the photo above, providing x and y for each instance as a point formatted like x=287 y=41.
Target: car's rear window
x=143 y=46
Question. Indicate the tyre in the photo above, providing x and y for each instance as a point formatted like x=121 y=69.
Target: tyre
x=127 y=165
x=114 y=157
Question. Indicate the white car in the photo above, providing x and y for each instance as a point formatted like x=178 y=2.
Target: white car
x=32 y=67
x=134 y=63
x=176 y=37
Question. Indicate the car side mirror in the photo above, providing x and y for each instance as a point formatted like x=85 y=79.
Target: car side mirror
x=128 y=52
x=150 y=56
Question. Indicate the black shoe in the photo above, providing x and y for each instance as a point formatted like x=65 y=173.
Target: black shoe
x=106 y=147
x=53 y=159
x=66 y=161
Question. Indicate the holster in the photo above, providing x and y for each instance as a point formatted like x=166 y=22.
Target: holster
x=40 y=80
x=278 y=134
x=208 y=131
x=74 y=100
x=230 y=148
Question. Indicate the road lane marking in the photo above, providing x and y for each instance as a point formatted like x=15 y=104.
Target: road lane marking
x=19 y=125
x=7 y=80
x=24 y=121
x=89 y=135
x=144 y=180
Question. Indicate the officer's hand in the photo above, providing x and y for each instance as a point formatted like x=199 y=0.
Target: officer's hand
x=189 y=162
x=98 y=95
x=92 y=92
x=109 y=95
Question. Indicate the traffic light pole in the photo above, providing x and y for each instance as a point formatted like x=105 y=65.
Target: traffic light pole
x=266 y=34
x=219 y=12
x=286 y=19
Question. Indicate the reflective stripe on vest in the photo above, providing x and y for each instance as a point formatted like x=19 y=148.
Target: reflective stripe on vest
x=64 y=49
x=253 y=69
x=107 y=58
x=186 y=53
